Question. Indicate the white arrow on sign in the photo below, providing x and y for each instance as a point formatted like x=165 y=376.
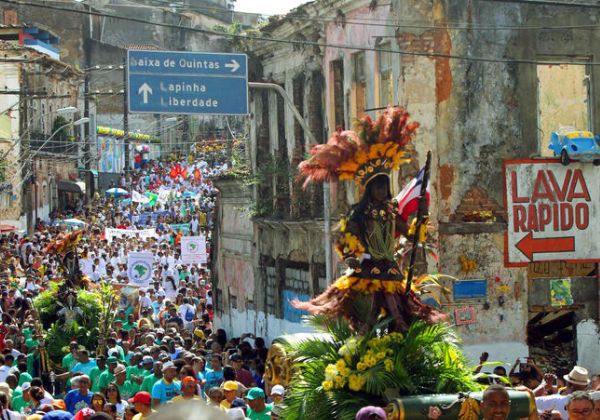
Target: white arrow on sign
x=144 y=90
x=234 y=65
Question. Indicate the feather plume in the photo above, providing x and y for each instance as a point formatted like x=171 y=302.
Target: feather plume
x=344 y=146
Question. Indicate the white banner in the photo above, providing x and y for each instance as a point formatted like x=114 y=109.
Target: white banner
x=139 y=268
x=193 y=249
x=143 y=234
x=136 y=197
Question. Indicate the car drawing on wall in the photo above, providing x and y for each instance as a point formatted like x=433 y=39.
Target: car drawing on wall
x=568 y=143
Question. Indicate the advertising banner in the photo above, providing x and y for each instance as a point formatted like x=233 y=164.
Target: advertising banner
x=550 y=209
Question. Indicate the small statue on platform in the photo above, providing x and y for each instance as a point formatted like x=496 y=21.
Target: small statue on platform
x=368 y=234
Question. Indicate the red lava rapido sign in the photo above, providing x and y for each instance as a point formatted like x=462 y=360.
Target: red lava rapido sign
x=553 y=212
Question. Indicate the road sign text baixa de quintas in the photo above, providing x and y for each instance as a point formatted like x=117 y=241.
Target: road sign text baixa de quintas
x=181 y=82
x=553 y=211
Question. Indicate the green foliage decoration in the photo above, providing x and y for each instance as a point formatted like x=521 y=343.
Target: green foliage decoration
x=84 y=329
x=339 y=372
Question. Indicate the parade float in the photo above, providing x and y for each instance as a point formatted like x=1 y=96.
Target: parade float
x=72 y=308
x=378 y=344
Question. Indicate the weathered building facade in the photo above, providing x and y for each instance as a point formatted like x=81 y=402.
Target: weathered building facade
x=488 y=81
x=36 y=86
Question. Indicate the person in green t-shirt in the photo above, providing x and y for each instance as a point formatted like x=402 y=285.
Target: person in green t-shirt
x=258 y=410
x=24 y=376
x=153 y=378
x=97 y=371
x=107 y=376
x=135 y=372
x=125 y=387
x=71 y=358
x=113 y=346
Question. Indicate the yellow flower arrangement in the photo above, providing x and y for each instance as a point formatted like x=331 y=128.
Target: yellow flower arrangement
x=356 y=359
x=356 y=382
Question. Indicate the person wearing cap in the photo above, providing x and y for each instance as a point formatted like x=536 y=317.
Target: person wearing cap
x=258 y=410
x=81 y=397
x=108 y=375
x=577 y=380
x=168 y=387
x=125 y=386
x=142 y=402
x=230 y=391
x=277 y=393
x=18 y=402
x=189 y=390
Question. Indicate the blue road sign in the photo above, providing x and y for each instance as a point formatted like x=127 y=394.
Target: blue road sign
x=174 y=82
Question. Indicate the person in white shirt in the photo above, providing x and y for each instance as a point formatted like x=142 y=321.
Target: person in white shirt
x=187 y=312
x=4 y=370
x=145 y=301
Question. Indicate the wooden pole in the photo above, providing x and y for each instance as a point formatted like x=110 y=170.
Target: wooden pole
x=421 y=213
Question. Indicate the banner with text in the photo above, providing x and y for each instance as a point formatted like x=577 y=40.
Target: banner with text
x=181 y=227
x=193 y=249
x=139 y=268
x=143 y=234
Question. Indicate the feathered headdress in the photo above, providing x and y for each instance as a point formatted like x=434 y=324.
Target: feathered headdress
x=377 y=149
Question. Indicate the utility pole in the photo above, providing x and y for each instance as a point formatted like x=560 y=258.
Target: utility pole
x=89 y=180
x=125 y=118
x=27 y=165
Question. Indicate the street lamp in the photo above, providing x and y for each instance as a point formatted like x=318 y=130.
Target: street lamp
x=79 y=122
x=69 y=110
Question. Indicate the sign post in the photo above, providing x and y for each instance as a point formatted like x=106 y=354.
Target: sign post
x=176 y=82
x=551 y=210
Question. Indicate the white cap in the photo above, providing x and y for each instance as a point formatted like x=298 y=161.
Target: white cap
x=236 y=413
x=277 y=390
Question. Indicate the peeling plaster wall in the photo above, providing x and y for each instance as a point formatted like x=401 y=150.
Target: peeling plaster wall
x=588 y=343
x=499 y=326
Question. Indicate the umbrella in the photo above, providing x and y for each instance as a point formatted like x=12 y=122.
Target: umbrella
x=117 y=192
x=74 y=222
x=189 y=194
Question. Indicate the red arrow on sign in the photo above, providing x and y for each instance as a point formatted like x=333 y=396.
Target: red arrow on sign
x=529 y=246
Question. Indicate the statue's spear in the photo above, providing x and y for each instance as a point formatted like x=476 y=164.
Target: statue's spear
x=422 y=211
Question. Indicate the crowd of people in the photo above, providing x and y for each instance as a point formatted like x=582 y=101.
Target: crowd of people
x=163 y=348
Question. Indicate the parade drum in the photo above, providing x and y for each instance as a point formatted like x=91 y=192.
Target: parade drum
x=455 y=406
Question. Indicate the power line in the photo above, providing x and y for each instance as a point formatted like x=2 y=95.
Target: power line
x=314 y=43
x=414 y=24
